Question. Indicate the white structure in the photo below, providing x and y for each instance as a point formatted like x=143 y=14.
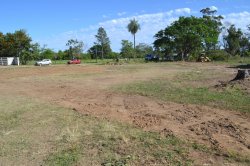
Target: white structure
x=6 y=61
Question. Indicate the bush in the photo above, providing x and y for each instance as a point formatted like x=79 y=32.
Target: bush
x=245 y=54
x=193 y=57
x=217 y=55
x=85 y=56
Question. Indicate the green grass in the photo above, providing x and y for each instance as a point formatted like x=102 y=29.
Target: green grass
x=63 y=158
x=33 y=132
x=57 y=62
x=178 y=91
x=235 y=61
x=94 y=61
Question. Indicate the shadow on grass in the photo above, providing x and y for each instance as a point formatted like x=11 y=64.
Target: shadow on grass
x=246 y=66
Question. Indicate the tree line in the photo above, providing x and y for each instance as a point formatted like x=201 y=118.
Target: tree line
x=189 y=36
x=186 y=37
x=19 y=44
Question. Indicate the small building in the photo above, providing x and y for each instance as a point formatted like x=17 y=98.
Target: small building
x=6 y=61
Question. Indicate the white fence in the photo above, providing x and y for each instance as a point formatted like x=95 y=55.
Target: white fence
x=6 y=61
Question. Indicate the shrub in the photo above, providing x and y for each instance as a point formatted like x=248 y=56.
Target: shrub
x=217 y=55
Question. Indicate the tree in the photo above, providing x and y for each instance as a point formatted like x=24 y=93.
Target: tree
x=213 y=28
x=61 y=55
x=103 y=41
x=163 y=44
x=184 y=37
x=75 y=48
x=17 y=44
x=142 y=49
x=2 y=40
x=127 y=49
x=22 y=42
x=244 y=45
x=36 y=50
x=208 y=11
x=94 y=51
x=232 y=40
x=188 y=36
x=133 y=27
x=47 y=54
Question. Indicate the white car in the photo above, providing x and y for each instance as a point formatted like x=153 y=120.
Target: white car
x=44 y=62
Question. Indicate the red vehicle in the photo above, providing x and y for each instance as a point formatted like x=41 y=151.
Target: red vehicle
x=74 y=61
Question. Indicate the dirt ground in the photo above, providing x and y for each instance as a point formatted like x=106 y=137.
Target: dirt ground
x=84 y=88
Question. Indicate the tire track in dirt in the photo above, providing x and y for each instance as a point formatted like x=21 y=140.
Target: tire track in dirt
x=221 y=129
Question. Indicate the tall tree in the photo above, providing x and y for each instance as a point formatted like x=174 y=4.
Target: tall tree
x=189 y=35
x=103 y=41
x=75 y=47
x=36 y=50
x=244 y=45
x=17 y=44
x=133 y=27
x=213 y=28
x=2 y=40
x=142 y=49
x=22 y=41
x=127 y=49
x=94 y=51
x=232 y=40
x=208 y=11
x=184 y=36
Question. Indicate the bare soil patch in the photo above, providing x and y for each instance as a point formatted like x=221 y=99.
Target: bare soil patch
x=227 y=131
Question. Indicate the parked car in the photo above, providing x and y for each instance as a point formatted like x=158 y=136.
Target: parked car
x=43 y=62
x=74 y=61
x=151 y=57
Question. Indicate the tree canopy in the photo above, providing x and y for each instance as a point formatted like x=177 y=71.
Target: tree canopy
x=75 y=47
x=103 y=41
x=142 y=49
x=189 y=35
x=127 y=50
x=17 y=44
x=133 y=27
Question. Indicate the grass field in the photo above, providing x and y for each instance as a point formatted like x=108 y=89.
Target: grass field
x=181 y=90
x=130 y=114
x=37 y=133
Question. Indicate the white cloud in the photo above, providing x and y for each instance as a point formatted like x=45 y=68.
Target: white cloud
x=214 y=8
x=117 y=29
x=183 y=11
x=104 y=16
x=240 y=20
x=150 y=24
x=121 y=13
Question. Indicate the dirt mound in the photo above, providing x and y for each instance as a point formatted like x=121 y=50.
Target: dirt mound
x=146 y=120
x=222 y=132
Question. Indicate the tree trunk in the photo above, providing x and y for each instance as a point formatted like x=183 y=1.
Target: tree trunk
x=242 y=74
x=134 y=46
x=182 y=56
x=102 y=51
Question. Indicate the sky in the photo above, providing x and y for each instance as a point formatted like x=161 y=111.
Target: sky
x=52 y=23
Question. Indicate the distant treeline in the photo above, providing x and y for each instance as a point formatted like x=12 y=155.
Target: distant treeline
x=187 y=38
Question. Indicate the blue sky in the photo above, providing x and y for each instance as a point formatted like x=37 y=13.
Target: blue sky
x=53 y=22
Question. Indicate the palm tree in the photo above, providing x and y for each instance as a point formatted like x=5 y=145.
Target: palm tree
x=133 y=27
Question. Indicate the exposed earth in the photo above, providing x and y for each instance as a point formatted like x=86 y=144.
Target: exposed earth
x=86 y=89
